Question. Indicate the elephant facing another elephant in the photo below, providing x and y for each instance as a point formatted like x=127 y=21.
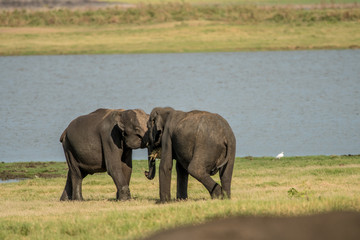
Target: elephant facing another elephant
x=103 y=141
x=202 y=144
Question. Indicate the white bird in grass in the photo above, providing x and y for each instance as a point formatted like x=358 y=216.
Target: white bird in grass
x=280 y=155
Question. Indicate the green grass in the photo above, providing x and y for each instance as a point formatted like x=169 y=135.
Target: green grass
x=261 y=186
x=176 y=28
x=235 y=1
x=177 y=37
x=177 y=12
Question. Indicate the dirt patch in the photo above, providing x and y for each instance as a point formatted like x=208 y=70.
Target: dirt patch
x=5 y=175
x=32 y=170
x=329 y=226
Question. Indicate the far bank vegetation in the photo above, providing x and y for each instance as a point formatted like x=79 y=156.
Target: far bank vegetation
x=178 y=12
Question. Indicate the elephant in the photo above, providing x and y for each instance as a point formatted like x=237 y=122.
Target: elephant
x=102 y=141
x=202 y=143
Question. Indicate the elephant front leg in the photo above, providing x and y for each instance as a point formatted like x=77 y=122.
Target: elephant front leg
x=165 y=169
x=126 y=165
x=182 y=182
x=115 y=170
x=123 y=190
x=123 y=193
x=114 y=167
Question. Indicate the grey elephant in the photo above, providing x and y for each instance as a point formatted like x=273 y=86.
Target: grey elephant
x=103 y=141
x=202 y=144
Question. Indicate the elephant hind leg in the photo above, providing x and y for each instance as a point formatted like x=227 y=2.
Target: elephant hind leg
x=225 y=178
x=76 y=180
x=67 y=193
x=73 y=185
x=197 y=170
x=182 y=182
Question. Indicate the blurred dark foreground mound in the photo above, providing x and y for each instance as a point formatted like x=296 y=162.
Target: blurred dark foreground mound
x=327 y=226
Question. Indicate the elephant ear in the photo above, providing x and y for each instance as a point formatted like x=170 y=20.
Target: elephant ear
x=121 y=127
x=118 y=131
x=164 y=113
x=117 y=136
x=120 y=120
x=154 y=114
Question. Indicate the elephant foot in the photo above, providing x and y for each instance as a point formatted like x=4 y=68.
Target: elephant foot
x=65 y=197
x=217 y=192
x=62 y=199
x=165 y=197
x=123 y=194
x=181 y=198
x=70 y=199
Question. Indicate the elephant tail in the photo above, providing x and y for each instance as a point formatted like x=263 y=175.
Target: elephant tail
x=230 y=148
x=63 y=136
x=226 y=156
x=223 y=160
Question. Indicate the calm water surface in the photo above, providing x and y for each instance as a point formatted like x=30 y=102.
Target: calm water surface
x=299 y=102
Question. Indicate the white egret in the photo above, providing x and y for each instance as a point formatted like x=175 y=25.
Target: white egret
x=280 y=155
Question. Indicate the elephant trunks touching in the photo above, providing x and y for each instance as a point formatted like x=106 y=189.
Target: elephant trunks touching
x=155 y=154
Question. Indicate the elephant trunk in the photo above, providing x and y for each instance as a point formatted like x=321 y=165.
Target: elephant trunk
x=145 y=140
x=152 y=164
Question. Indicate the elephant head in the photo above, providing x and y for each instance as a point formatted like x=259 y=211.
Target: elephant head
x=133 y=128
x=155 y=126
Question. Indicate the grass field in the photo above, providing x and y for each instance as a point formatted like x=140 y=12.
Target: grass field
x=234 y=1
x=176 y=37
x=261 y=186
x=176 y=28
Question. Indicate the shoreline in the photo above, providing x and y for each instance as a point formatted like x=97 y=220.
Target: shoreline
x=51 y=169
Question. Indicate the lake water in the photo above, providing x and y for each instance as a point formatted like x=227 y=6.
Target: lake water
x=299 y=102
